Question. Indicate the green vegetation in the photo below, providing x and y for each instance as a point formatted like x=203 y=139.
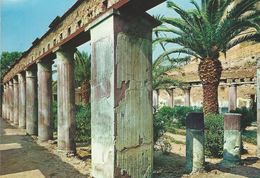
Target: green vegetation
x=169 y=119
x=211 y=28
x=7 y=59
x=83 y=122
x=214 y=135
x=248 y=116
x=250 y=136
x=83 y=74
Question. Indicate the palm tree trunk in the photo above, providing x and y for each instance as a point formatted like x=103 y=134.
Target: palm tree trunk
x=210 y=72
x=85 y=92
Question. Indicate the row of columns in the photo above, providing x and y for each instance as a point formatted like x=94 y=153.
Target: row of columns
x=232 y=97
x=27 y=100
x=122 y=120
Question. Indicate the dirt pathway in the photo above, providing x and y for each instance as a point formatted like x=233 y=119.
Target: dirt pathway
x=21 y=157
x=173 y=164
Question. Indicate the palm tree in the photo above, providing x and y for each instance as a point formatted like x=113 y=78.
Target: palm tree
x=83 y=74
x=207 y=31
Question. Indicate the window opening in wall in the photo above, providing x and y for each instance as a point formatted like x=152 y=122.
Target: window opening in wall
x=61 y=36
x=69 y=30
x=79 y=23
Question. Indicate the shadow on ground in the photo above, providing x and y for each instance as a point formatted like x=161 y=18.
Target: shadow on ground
x=20 y=155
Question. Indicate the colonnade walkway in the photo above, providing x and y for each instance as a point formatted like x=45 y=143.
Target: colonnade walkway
x=21 y=156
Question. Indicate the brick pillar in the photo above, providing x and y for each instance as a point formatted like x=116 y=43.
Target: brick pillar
x=45 y=123
x=232 y=139
x=22 y=101
x=31 y=101
x=16 y=101
x=232 y=97
x=258 y=106
x=121 y=96
x=187 y=96
x=11 y=101
x=66 y=100
x=195 y=157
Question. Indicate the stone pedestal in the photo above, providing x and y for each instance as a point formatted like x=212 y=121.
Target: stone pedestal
x=232 y=139
x=121 y=96
x=22 y=101
x=187 y=96
x=31 y=102
x=258 y=106
x=195 y=157
x=16 y=101
x=66 y=100
x=45 y=123
x=232 y=97
x=11 y=101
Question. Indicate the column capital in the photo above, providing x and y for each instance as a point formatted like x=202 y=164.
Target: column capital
x=15 y=81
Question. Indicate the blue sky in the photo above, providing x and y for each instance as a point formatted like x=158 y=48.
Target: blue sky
x=22 y=21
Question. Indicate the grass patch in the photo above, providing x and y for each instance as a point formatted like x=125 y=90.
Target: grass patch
x=249 y=136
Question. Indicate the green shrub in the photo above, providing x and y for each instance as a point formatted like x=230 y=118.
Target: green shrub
x=248 y=116
x=168 y=119
x=158 y=125
x=180 y=113
x=214 y=135
x=83 y=122
x=55 y=115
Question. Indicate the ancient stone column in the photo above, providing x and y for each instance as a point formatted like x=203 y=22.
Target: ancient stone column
x=31 y=101
x=121 y=96
x=187 y=96
x=258 y=106
x=11 y=102
x=232 y=139
x=22 y=101
x=171 y=99
x=1 y=99
x=66 y=100
x=45 y=123
x=5 y=101
x=3 y=105
x=16 y=101
x=195 y=157
x=8 y=101
x=232 y=97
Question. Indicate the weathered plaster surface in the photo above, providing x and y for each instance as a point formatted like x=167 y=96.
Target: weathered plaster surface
x=66 y=100
x=232 y=145
x=122 y=135
x=45 y=122
x=258 y=107
x=31 y=102
x=16 y=101
x=22 y=101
